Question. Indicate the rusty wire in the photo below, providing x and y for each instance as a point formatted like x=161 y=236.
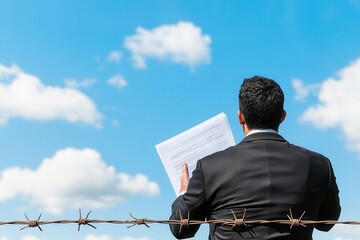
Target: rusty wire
x=183 y=222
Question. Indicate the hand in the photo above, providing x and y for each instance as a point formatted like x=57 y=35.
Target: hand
x=184 y=178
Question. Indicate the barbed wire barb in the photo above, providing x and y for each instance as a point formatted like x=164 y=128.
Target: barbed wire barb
x=32 y=223
x=238 y=222
x=138 y=221
x=84 y=221
x=184 y=222
x=295 y=222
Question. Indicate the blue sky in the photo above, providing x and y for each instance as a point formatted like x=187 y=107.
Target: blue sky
x=87 y=88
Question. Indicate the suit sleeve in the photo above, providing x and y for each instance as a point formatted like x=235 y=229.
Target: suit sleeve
x=331 y=208
x=193 y=202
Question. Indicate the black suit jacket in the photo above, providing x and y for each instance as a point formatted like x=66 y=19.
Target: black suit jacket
x=267 y=176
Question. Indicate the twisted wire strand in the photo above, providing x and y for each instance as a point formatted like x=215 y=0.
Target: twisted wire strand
x=183 y=222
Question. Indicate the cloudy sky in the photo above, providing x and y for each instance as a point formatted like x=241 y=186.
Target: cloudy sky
x=88 y=88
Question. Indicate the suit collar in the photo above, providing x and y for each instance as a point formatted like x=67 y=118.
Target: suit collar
x=263 y=136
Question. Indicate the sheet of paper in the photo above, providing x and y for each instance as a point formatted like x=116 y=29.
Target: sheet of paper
x=200 y=141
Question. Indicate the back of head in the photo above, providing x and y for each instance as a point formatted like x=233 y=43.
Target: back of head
x=261 y=102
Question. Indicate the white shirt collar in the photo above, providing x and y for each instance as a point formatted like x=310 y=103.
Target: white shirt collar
x=261 y=130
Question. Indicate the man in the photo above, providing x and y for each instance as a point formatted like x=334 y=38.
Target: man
x=263 y=175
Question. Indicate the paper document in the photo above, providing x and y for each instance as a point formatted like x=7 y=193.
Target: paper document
x=200 y=141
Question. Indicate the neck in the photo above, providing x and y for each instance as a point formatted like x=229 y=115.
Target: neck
x=247 y=130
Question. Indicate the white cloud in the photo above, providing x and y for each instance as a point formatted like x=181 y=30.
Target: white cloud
x=338 y=105
x=29 y=237
x=135 y=238
x=118 y=81
x=23 y=95
x=136 y=184
x=85 y=83
x=345 y=232
x=114 y=56
x=106 y=237
x=181 y=43
x=99 y=237
x=73 y=179
x=3 y=238
x=6 y=72
x=302 y=91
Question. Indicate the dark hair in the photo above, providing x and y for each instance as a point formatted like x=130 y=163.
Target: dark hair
x=261 y=101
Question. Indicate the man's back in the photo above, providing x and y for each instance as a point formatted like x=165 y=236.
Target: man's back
x=263 y=174
x=267 y=176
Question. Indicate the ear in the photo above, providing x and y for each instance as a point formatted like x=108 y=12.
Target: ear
x=241 y=117
x=283 y=116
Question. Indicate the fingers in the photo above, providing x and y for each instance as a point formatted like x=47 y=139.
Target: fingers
x=184 y=178
x=185 y=170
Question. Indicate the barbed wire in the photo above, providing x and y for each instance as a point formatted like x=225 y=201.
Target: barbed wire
x=235 y=222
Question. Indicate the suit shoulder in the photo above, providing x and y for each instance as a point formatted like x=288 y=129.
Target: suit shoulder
x=311 y=154
x=214 y=157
